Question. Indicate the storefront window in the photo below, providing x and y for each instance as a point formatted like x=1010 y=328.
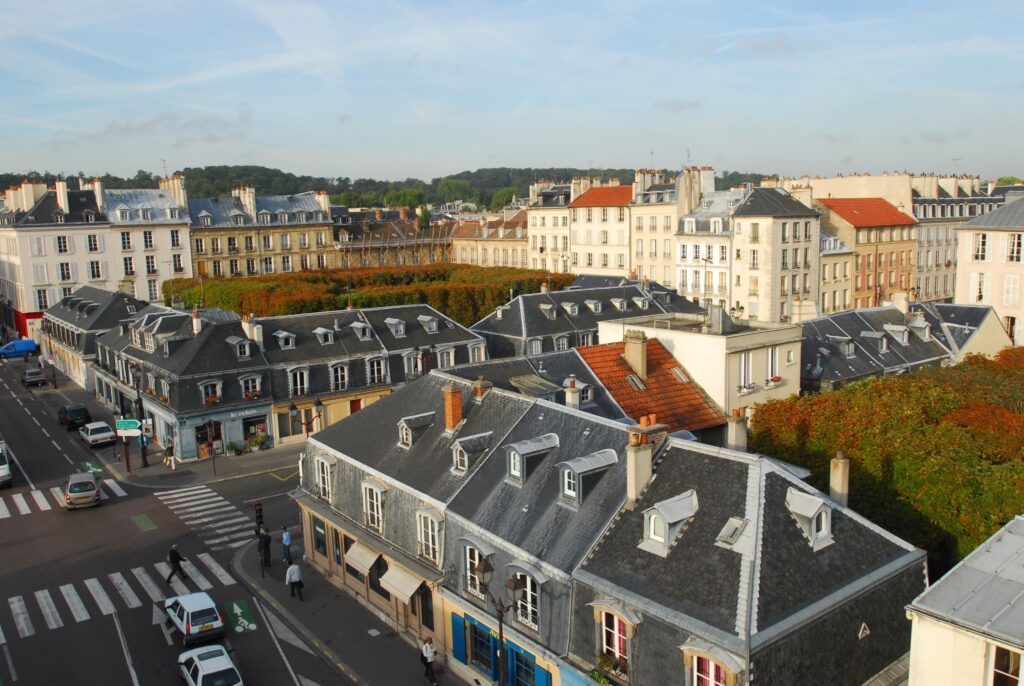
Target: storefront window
x=319 y=535
x=209 y=440
x=425 y=599
x=524 y=669
x=481 y=650
x=379 y=569
x=337 y=546
x=352 y=571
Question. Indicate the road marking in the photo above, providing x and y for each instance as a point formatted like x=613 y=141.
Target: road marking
x=233 y=544
x=189 y=498
x=127 y=655
x=55 y=444
x=197 y=576
x=10 y=663
x=208 y=508
x=209 y=516
x=248 y=535
x=115 y=487
x=285 y=478
x=127 y=594
x=50 y=615
x=23 y=405
x=216 y=569
x=276 y=642
x=103 y=495
x=148 y=585
x=58 y=495
x=176 y=583
x=74 y=602
x=179 y=492
x=3 y=640
x=12 y=393
x=282 y=631
x=143 y=522
x=160 y=619
x=21 y=619
x=232 y=524
x=23 y=472
x=38 y=424
x=203 y=503
x=68 y=459
x=19 y=502
x=41 y=502
x=100 y=596
x=45 y=432
x=4 y=512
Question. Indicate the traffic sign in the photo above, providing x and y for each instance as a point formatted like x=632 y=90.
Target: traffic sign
x=129 y=433
x=127 y=424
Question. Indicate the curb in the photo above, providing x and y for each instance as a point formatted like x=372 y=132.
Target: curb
x=200 y=482
x=326 y=653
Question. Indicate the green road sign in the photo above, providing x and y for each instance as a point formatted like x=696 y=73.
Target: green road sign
x=91 y=466
x=241 y=617
x=127 y=424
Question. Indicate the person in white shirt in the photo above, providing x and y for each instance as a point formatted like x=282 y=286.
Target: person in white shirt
x=293 y=578
x=429 y=653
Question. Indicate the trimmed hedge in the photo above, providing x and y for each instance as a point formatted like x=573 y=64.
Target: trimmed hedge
x=463 y=292
x=936 y=457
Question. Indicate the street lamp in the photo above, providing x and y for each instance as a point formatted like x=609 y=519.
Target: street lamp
x=514 y=588
x=318 y=409
x=137 y=376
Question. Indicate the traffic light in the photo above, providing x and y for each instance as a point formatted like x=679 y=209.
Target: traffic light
x=258 y=507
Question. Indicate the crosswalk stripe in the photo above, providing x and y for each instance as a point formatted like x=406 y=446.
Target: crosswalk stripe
x=233 y=544
x=176 y=583
x=103 y=495
x=148 y=585
x=21 y=619
x=41 y=502
x=226 y=525
x=74 y=602
x=237 y=535
x=127 y=594
x=100 y=596
x=4 y=512
x=216 y=569
x=178 y=492
x=191 y=498
x=115 y=487
x=207 y=516
x=197 y=576
x=58 y=495
x=19 y=502
x=199 y=505
x=50 y=614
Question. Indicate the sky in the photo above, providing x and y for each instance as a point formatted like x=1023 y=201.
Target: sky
x=395 y=88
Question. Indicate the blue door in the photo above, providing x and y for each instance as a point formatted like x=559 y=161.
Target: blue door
x=458 y=638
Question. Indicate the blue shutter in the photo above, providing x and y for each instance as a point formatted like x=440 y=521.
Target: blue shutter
x=458 y=638
x=541 y=677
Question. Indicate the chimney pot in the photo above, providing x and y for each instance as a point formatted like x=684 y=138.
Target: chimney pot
x=452 y=406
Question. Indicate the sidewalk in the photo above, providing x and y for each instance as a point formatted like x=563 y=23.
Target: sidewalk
x=362 y=647
x=204 y=471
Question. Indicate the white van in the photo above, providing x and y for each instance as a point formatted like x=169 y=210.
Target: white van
x=5 y=467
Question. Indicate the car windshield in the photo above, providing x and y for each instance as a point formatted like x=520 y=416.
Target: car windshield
x=33 y=372
x=205 y=616
x=225 y=677
x=78 y=412
x=96 y=430
x=81 y=487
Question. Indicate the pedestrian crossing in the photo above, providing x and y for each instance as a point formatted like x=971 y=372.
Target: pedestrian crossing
x=49 y=499
x=219 y=524
x=101 y=596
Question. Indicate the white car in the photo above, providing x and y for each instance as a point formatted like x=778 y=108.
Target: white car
x=97 y=433
x=196 y=616
x=209 y=666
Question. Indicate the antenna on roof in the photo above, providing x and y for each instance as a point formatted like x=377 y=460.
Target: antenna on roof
x=687 y=157
x=165 y=166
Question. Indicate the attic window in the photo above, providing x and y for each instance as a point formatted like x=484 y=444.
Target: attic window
x=641 y=302
x=325 y=336
x=123 y=215
x=569 y=484
x=573 y=472
x=404 y=436
x=429 y=323
x=571 y=308
x=678 y=374
x=515 y=464
x=282 y=217
x=730 y=533
x=243 y=350
x=300 y=216
x=264 y=217
x=90 y=216
x=620 y=304
x=520 y=452
x=813 y=515
x=636 y=383
x=851 y=349
x=362 y=330
x=665 y=521
x=594 y=305
x=410 y=427
x=285 y=340
x=205 y=221
x=460 y=461
x=397 y=327
x=549 y=310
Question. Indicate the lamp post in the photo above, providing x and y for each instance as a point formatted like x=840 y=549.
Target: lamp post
x=318 y=409
x=514 y=588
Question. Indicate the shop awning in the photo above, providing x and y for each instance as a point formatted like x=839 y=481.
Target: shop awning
x=361 y=557
x=400 y=583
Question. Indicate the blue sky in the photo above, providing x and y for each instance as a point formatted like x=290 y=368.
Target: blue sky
x=397 y=89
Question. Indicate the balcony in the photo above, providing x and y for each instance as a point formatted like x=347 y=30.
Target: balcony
x=232 y=248
x=129 y=272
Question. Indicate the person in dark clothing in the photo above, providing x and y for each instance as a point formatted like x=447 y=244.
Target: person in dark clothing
x=174 y=559
x=265 y=547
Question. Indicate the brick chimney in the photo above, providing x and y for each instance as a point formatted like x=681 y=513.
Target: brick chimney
x=839 y=478
x=636 y=352
x=452 y=406
x=378 y=214
x=481 y=387
x=572 y=393
x=403 y=214
x=324 y=200
x=640 y=457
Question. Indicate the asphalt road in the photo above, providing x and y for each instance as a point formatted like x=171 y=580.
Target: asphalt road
x=79 y=588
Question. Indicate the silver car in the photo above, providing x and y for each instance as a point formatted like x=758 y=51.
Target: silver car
x=97 y=433
x=82 y=490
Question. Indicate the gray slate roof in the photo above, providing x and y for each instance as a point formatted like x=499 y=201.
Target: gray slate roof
x=222 y=211
x=158 y=201
x=958 y=323
x=984 y=593
x=79 y=204
x=772 y=202
x=1009 y=216
x=720 y=205
x=93 y=311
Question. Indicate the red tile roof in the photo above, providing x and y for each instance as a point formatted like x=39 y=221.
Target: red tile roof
x=681 y=405
x=605 y=196
x=868 y=212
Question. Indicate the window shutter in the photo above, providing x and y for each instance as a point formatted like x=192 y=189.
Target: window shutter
x=1002 y=249
x=102 y=243
x=986 y=282
x=1011 y=289
x=71 y=245
x=972 y=293
x=541 y=677
x=104 y=269
x=459 y=638
x=56 y=245
x=74 y=271
x=37 y=273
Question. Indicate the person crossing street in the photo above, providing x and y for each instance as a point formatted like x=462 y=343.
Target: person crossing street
x=174 y=559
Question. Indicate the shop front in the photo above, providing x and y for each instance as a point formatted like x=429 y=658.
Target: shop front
x=218 y=433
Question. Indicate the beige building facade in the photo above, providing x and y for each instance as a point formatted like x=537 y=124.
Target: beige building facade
x=658 y=205
x=548 y=222
x=837 y=261
x=492 y=242
x=599 y=230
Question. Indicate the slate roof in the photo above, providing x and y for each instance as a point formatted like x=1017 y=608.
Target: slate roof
x=307 y=347
x=861 y=212
x=769 y=578
x=713 y=205
x=1004 y=190
x=159 y=201
x=223 y=210
x=958 y=323
x=493 y=229
x=772 y=202
x=1009 y=216
x=370 y=436
x=605 y=196
x=984 y=593
x=682 y=405
x=79 y=204
x=555 y=196
x=95 y=309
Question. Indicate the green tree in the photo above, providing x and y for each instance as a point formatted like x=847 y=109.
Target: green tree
x=449 y=190
x=424 y=218
x=1009 y=181
x=502 y=197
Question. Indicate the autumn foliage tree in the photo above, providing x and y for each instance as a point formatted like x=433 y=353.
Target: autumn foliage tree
x=936 y=456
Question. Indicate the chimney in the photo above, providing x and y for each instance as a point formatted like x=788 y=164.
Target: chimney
x=378 y=213
x=636 y=352
x=97 y=189
x=481 y=387
x=498 y=312
x=175 y=185
x=247 y=196
x=324 y=200
x=544 y=287
x=572 y=393
x=736 y=431
x=60 y=186
x=839 y=478
x=403 y=214
x=452 y=406
x=640 y=458
x=197 y=321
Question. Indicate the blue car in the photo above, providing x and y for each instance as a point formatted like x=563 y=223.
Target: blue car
x=14 y=349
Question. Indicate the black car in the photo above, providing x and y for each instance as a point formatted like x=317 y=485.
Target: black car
x=74 y=416
x=32 y=377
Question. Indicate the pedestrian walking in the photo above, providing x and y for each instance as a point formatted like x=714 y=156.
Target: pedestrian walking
x=174 y=559
x=427 y=656
x=265 y=547
x=293 y=579
x=286 y=544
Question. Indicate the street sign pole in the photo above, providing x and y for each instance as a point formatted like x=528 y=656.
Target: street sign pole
x=127 y=454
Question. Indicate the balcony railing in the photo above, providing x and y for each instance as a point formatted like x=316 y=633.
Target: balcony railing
x=211 y=399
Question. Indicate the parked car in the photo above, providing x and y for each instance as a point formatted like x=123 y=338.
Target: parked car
x=196 y=616
x=208 y=666
x=81 y=490
x=19 y=349
x=6 y=477
x=74 y=416
x=32 y=377
x=97 y=433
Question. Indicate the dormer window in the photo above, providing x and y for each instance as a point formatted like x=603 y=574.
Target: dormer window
x=548 y=310
x=90 y=216
x=123 y=215
x=243 y=350
x=282 y=217
x=285 y=340
x=409 y=428
x=404 y=436
x=813 y=516
x=429 y=323
x=240 y=220
x=666 y=520
x=656 y=528
x=571 y=308
x=319 y=216
x=641 y=302
x=205 y=221
x=172 y=212
x=325 y=336
x=362 y=330
x=691 y=226
x=146 y=214
x=851 y=349
x=460 y=461
x=569 y=484
x=264 y=217
x=594 y=305
x=241 y=346
x=211 y=391
x=397 y=327
x=620 y=304
x=515 y=464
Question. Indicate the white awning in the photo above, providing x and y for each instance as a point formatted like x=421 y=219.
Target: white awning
x=400 y=583
x=361 y=557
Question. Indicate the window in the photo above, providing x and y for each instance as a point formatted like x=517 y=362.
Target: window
x=474 y=584
x=200 y=245
x=323 y=478
x=251 y=387
x=528 y=607
x=126 y=240
x=772 y=362
x=707 y=672
x=147 y=239
x=286 y=263
x=376 y=373
x=42 y=300
x=153 y=292
x=459 y=458
x=744 y=375
x=444 y=359
x=562 y=343
x=656 y=528
x=129 y=266
x=176 y=263
x=94 y=270
x=217 y=269
x=298 y=381
x=404 y=436
x=373 y=516
x=268 y=242
x=65 y=271
x=92 y=242
x=1014 y=251
x=62 y=244
x=614 y=641
x=426 y=537
x=339 y=377
x=210 y=391
x=268 y=265
x=175 y=238
x=569 y=484
x=151 y=264
x=979 y=252
x=515 y=464
x=250 y=244
x=536 y=346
